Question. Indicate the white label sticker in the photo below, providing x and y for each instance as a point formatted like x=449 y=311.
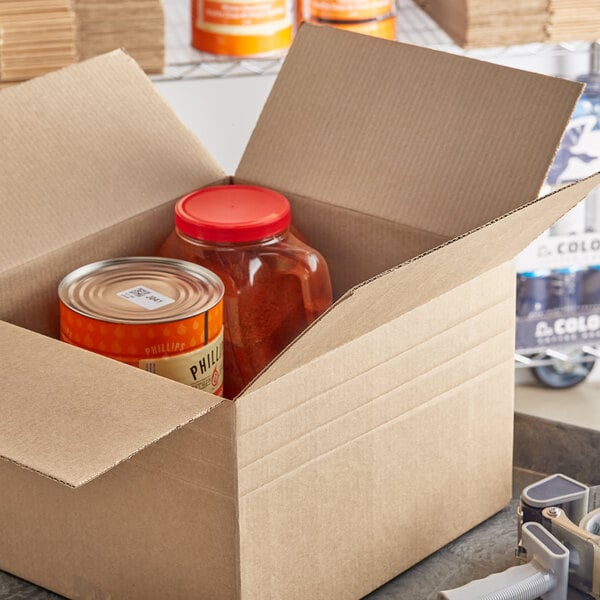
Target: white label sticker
x=145 y=297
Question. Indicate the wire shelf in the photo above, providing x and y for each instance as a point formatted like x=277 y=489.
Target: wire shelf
x=414 y=26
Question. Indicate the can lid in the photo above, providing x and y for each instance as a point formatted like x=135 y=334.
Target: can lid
x=140 y=289
x=232 y=214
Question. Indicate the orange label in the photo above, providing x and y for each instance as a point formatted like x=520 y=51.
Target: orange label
x=131 y=342
x=349 y=10
x=239 y=13
x=384 y=28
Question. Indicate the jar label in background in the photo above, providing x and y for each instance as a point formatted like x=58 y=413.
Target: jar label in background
x=201 y=368
x=350 y=10
x=579 y=152
x=245 y=13
x=539 y=332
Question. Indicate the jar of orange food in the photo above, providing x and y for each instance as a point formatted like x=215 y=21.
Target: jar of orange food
x=275 y=284
x=242 y=28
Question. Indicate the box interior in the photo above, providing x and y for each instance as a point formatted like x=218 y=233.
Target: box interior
x=115 y=169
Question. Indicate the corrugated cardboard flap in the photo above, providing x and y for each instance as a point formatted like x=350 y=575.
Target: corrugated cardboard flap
x=87 y=147
x=71 y=415
x=416 y=282
x=444 y=143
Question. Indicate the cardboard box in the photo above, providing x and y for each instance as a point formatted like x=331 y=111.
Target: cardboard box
x=481 y=23
x=381 y=434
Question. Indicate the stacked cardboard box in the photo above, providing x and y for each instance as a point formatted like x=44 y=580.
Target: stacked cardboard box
x=36 y=36
x=478 y=23
x=134 y=25
x=570 y=20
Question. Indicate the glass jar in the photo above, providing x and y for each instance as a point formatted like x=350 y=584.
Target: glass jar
x=275 y=284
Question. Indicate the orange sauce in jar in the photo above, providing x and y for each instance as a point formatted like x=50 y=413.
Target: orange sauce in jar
x=275 y=284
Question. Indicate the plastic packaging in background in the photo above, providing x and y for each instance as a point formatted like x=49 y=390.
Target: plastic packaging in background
x=568 y=311
x=579 y=152
x=532 y=292
x=564 y=291
x=591 y=286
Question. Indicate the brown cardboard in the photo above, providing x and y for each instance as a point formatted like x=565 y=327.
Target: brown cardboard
x=148 y=414
x=380 y=434
x=394 y=145
x=477 y=23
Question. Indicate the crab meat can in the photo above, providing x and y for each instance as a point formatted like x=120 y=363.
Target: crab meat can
x=161 y=315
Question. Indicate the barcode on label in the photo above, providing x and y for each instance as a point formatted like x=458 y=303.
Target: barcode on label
x=138 y=292
x=145 y=297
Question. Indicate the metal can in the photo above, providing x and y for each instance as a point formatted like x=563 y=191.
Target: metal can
x=161 y=315
x=532 y=292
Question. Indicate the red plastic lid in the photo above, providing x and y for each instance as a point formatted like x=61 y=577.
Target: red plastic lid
x=232 y=213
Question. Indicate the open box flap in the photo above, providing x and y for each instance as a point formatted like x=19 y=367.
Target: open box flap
x=80 y=414
x=84 y=148
x=444 y=143
x=418 y=281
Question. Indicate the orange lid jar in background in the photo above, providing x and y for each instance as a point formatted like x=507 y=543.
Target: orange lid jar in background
x=275 y=285
x=243 y=28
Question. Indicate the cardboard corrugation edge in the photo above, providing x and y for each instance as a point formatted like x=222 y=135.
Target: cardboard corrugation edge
x=125 y=458
x=115 y=491
x=53 y=457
